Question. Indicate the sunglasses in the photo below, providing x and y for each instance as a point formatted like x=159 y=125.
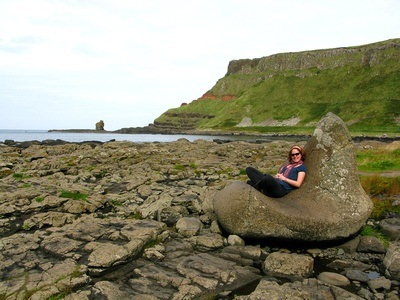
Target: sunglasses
x=295 y=154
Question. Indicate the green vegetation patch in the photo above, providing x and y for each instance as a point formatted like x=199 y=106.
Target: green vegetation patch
x=74 y=195
x=20 y=176
x=39 y=199
x=381 y=186
x=373 y=160
x=383 y=207
x=369 y=230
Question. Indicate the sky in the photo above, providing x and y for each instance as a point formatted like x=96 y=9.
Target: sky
x=67 y=64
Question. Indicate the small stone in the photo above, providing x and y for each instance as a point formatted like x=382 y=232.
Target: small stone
x=380 y=283
x=4 y=172
x=188 y=226
x=314 y=252
x=357 y=275
x=371 y=244
x=392 y=261
x=391 y=228
x=351 y=245
x=235 y=240
x=288 y=265
x=334 y=279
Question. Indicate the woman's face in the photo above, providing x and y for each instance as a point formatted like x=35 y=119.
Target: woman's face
x=295 y=155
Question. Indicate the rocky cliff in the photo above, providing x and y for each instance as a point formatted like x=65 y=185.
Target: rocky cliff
x=297 y=89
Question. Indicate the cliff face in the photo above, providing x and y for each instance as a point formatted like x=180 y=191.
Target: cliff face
x=263 y=91
x=367 y=55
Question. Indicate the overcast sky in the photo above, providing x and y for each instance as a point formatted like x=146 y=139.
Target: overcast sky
x=70 y=63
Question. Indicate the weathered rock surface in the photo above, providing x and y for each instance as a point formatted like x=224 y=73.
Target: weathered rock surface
x=288 y=265
x=330 y=205
x=307 y=289
x=121 y=220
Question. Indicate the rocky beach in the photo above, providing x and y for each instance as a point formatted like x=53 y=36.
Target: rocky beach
x=124 y=220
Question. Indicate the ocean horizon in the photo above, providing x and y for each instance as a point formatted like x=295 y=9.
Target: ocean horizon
x=20 y=135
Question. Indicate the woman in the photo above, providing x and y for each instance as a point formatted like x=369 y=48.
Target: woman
x=289 y=177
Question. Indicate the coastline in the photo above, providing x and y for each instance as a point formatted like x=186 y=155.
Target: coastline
x=154 y=130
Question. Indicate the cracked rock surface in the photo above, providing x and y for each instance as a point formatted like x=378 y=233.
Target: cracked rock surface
x=123 y=220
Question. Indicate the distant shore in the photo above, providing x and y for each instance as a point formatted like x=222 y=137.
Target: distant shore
x=154 y=130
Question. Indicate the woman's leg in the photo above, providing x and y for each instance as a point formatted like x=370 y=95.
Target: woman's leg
x=254 y=175
x=271 y=187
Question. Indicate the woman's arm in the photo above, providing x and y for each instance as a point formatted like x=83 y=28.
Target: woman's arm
x=296 y=183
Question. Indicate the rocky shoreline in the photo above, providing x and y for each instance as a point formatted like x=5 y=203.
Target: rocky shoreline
x=151 y=129
x=124 y=220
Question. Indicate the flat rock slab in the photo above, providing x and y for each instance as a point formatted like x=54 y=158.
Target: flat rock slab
x=330 y=205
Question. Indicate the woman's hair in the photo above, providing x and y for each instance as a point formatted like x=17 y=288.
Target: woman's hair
x=301 y=150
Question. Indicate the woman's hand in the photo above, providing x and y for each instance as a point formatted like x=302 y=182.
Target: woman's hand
x=296 y=183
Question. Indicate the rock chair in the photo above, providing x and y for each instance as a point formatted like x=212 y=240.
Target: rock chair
x=330 y=205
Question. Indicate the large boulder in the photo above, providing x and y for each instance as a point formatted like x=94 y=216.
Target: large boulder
x=330 y=205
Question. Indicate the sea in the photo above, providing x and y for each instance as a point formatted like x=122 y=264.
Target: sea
x=42 y=135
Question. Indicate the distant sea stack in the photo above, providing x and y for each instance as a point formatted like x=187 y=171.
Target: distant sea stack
x=100 y=125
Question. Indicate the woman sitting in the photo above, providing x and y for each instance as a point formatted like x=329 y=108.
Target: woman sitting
x=290 y=176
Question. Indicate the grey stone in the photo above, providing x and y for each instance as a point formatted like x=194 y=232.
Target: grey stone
x=235 y=240
x=207 y=242
x=366 y=294
x=215 y=274
x=391 y=228
x=288 y=265
x=392 y=261
x=188 y=226
x=333 y=278
x=307 y=289
x=331 y=204
x=250 y=252
x=351 y=245
x=109 y=290
x=371 y=244
x=348 y=264
x=168 y=215
x=357 y=275
x=379 y=283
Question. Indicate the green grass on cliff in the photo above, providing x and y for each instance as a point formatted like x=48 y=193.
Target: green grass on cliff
x=365 y=96
x=376 y=160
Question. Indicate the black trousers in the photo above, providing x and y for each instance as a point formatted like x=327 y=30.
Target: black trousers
x=265 y=183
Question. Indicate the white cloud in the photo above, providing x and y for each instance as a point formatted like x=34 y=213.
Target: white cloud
x=126 y=62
